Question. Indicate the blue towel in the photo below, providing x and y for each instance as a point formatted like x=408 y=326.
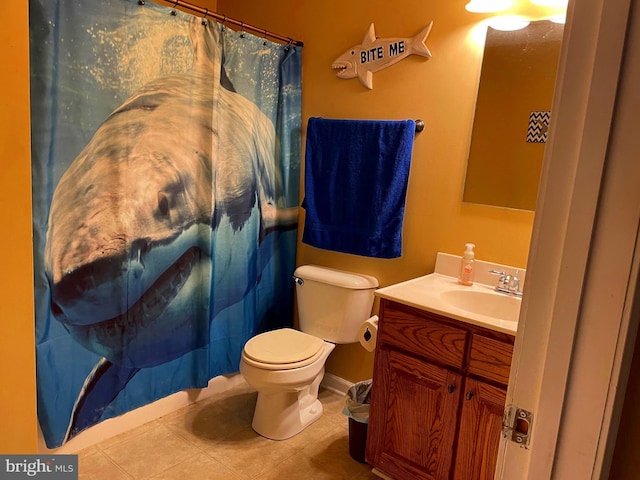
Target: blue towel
x=356 y=175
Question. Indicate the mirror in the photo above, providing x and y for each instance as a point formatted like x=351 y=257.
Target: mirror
x=512 y=115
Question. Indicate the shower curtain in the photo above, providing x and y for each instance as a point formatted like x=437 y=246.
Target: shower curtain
x=165 y=166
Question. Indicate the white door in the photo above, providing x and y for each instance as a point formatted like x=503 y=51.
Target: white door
x=572 y=350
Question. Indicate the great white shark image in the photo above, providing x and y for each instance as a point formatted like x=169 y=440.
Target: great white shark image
x=131 y=257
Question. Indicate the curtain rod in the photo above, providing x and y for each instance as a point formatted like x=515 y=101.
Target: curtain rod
x=225 y=20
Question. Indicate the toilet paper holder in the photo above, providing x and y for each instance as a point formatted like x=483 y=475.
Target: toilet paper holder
x=368 y=333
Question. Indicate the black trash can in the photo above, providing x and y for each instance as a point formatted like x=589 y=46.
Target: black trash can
x=356 y=407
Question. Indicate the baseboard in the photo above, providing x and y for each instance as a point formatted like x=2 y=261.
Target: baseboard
x=336 y=384
x=139 y=416
x=114 y=426
x=380 y=474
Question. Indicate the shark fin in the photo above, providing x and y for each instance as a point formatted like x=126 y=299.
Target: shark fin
x=101 y=387
x=418 y=46
x=370 y=36
x=274 y=218
x=366 y=78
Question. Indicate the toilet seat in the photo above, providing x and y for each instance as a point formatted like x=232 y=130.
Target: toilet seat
x=282 y=349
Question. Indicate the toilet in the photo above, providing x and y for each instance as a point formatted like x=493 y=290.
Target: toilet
x=286 y=366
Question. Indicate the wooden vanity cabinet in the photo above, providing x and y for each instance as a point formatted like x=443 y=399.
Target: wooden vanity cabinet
x=439 y=388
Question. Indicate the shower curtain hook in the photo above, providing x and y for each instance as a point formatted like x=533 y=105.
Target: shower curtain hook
x=224 y=19
x=289 y=44
x=242 y=34
x=174 y=12
x=265 y=37
x=204 y=19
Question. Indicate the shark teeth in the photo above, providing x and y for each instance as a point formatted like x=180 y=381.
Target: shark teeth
x=338 y=66
x=154 y=301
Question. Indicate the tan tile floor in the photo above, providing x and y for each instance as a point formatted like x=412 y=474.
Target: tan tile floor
x=213 y=440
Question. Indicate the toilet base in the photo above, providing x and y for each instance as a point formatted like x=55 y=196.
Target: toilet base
x=281 y=415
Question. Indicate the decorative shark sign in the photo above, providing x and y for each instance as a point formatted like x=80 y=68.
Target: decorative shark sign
x=374 y=54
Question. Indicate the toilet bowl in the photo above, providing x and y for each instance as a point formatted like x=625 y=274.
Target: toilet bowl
x=287 y=392
x=286 y=366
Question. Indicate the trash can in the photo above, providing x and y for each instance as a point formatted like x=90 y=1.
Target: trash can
x=356 y=407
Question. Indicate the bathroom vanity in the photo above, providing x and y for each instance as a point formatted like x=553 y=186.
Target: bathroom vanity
x=440 y=380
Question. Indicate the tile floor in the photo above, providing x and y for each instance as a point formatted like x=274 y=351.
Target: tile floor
x=212 y=439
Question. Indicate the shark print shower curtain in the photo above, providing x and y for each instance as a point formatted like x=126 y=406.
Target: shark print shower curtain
x=165 y=160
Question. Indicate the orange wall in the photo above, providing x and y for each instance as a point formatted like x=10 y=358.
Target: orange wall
x=441 y=91
x=17 y=355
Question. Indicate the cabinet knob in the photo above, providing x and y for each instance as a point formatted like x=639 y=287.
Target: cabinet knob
x=451 y=388
x=469 y=395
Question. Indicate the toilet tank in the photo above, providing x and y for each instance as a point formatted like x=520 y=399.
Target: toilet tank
x=332 y=304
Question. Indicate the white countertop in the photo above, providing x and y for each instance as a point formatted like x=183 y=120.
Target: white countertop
x=426 y=293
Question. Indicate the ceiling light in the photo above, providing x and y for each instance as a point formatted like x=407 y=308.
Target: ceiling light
x=550 y=3
x=509 y=22
x=487 y=6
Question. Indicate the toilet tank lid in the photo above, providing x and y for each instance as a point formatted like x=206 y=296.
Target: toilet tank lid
x=340 y=278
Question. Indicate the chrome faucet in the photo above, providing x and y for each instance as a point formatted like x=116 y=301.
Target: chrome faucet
x=509 y=284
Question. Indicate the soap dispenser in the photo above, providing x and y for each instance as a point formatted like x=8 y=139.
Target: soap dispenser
x=467 y=267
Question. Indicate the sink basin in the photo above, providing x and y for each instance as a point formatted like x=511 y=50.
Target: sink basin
x=490 y=304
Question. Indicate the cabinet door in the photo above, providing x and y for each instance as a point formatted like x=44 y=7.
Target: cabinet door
x=480 y=430
x=413 y=417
